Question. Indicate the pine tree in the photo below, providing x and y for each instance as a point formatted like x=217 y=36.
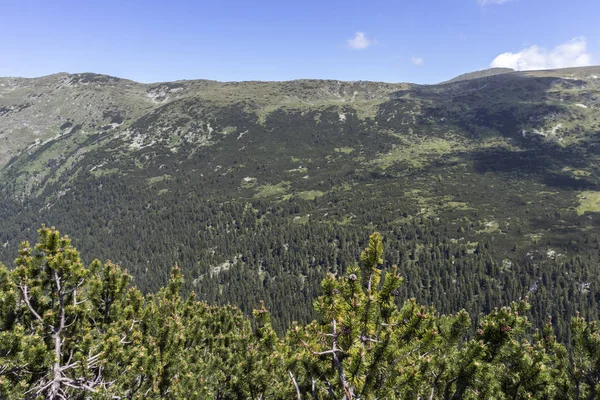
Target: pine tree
x=52 y=344
x=67 y=331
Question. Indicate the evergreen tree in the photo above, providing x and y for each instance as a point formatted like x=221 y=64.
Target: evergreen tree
x=69 y=331
x=58 y=337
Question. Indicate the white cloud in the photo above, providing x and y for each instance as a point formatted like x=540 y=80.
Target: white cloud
x=489 y=2
x=570 y=54
x=417 y=60
x=359 y=41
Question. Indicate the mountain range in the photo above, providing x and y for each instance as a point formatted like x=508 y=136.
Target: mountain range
x=485 y=187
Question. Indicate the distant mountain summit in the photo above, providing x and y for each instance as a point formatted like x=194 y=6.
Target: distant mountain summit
x=479 y=74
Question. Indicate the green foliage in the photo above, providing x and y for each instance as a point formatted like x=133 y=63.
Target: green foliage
x=60 y=321
x=71 y=331
x=584 y=369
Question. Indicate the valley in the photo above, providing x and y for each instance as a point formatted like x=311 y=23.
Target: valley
x=485 y=188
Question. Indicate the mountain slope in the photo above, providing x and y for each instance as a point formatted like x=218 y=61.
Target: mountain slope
x=258 y=189
x=479 y=74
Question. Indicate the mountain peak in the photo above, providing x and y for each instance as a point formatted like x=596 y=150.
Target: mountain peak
x=479 y=74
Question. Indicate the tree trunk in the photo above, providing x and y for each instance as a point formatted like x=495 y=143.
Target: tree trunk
x=54 y=393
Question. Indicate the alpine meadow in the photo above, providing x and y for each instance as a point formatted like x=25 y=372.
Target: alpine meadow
x=305 y=239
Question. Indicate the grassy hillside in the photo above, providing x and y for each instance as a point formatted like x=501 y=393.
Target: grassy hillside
x=479 y=74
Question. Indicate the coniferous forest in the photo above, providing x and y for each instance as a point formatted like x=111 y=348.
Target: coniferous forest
x=71 y=330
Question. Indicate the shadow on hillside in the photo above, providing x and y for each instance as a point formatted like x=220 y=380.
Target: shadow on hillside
x=512 y=106
x=545 y=163
x=506 y=105
x=524 y=87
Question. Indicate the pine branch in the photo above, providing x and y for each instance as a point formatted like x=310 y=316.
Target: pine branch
x=295 y=385
x=24 y=291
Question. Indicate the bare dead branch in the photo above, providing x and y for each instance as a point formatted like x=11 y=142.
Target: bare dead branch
x=24 y=291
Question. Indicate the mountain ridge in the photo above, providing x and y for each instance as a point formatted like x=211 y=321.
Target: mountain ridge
x=478 y=74
x=483 y=73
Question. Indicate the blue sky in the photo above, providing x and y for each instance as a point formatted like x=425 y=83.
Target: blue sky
x=423 y=41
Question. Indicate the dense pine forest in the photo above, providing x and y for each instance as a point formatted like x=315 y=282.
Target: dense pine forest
x=275 y=259
x=72 y=330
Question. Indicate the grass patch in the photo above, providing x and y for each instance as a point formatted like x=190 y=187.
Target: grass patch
x=459 y=205
x=589 y=201
x=366 y=109
x=419 y=154
x=490 y=227
x=535 y=237
x=311 y=194
x=101 y=172
x=344 y=150
x=471 y=247
x=302 y=220
x=299 y=169
x=156 y=179
x=248 y=182
x=345 y=187
x=347 y=220
x=272 y=190
x=228 y=130
x=576 y=172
